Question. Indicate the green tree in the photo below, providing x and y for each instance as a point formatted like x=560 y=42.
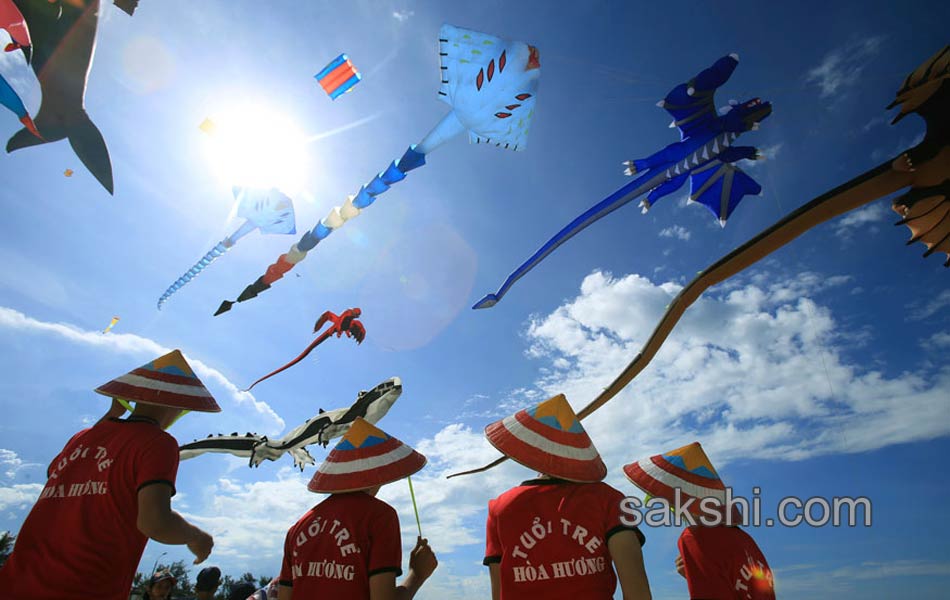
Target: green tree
x=6 y=546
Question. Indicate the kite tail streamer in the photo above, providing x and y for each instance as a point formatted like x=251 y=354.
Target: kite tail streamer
x=221 y=247
x=415 y=508
x=338 y=216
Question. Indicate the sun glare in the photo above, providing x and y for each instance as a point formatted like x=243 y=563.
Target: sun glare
x=254 y=147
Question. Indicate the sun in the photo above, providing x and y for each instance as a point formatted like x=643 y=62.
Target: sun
x=253 y=146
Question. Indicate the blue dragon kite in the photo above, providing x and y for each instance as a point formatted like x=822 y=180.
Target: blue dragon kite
x=705 y=155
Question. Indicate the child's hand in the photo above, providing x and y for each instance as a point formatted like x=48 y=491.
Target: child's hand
x=680 y=566
x=422 y=561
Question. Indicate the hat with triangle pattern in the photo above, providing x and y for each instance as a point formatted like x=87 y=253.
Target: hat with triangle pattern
x=687 y=469
x=366 y=457
x=549 y=438
x=166 y=381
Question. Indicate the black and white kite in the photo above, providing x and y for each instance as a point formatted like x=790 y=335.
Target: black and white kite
x=322 y=428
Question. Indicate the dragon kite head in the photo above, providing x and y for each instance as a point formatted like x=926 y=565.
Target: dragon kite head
x=747 y=115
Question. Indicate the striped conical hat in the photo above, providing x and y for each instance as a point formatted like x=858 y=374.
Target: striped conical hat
x=364 y=458
x=166 y=381
x=549 y=439
x=687 y=468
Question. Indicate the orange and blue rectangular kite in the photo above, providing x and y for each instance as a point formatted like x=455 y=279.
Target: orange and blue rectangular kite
x=338 y=77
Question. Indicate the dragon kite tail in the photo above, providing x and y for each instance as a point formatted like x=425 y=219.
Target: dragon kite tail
x=338 y=216
x=299 y=358
x=207 y=259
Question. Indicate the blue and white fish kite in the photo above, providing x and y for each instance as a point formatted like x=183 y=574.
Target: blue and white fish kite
x=268 y=210
x=490 y=83
x=705 y=155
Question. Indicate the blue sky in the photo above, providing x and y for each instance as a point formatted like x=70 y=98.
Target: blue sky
x=816 y=373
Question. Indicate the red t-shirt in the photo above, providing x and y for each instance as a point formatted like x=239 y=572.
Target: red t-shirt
x=81 y=537
x=724 y=563
x=550 y=537
x=333 y=550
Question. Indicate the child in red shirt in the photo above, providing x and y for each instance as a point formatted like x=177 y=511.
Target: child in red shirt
x=559 y=536
x=348 y=545
x=719 y=562
x=109 y=491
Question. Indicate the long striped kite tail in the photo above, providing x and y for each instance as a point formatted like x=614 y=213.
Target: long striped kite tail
x=222 y=247
x=337 y=217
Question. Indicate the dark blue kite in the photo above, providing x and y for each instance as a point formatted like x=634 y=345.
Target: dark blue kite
x=705 y=155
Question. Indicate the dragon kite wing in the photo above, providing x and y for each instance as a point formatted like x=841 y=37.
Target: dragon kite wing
x=692 y=104
x=925 y=168
x=705 y=155
x=491 y=85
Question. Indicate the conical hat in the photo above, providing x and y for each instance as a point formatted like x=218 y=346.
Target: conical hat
x=166 y=381
x=687 y=468
x=549 y=439
x=364 y=458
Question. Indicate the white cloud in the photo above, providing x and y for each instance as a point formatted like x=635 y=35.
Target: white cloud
x=865 y=217
x=11 y=463
x=939 y=340
x=841 y=68
x=921 y=310
x=676 y=231
x=127 y=343
x=403 y=15
x=754 y=371
x=19 y=496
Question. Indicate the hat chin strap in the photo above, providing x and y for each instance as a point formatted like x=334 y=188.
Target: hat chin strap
x=128 y=406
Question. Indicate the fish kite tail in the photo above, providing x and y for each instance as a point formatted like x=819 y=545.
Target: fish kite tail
x=207 y=259
x=338 y=216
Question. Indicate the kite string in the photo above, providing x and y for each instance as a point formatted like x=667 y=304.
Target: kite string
x=415 y=508
x=811 y=324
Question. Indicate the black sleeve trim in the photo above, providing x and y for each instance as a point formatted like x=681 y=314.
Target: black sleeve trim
x=396 y=570
x=635 y=529
x=286 y=582
x=489 y=560
x=154 y=481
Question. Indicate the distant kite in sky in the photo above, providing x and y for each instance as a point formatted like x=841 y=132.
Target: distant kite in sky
x=705 y=155
x=13 y=22
x=489 y=83
x=10 y=99
x=208 y=126
x=68 y=173
x=63 y=43
x=325 y=426
x=925 y=168
x=268 y=210
x=346 y=323
x=338 y=77
x=111 y=325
